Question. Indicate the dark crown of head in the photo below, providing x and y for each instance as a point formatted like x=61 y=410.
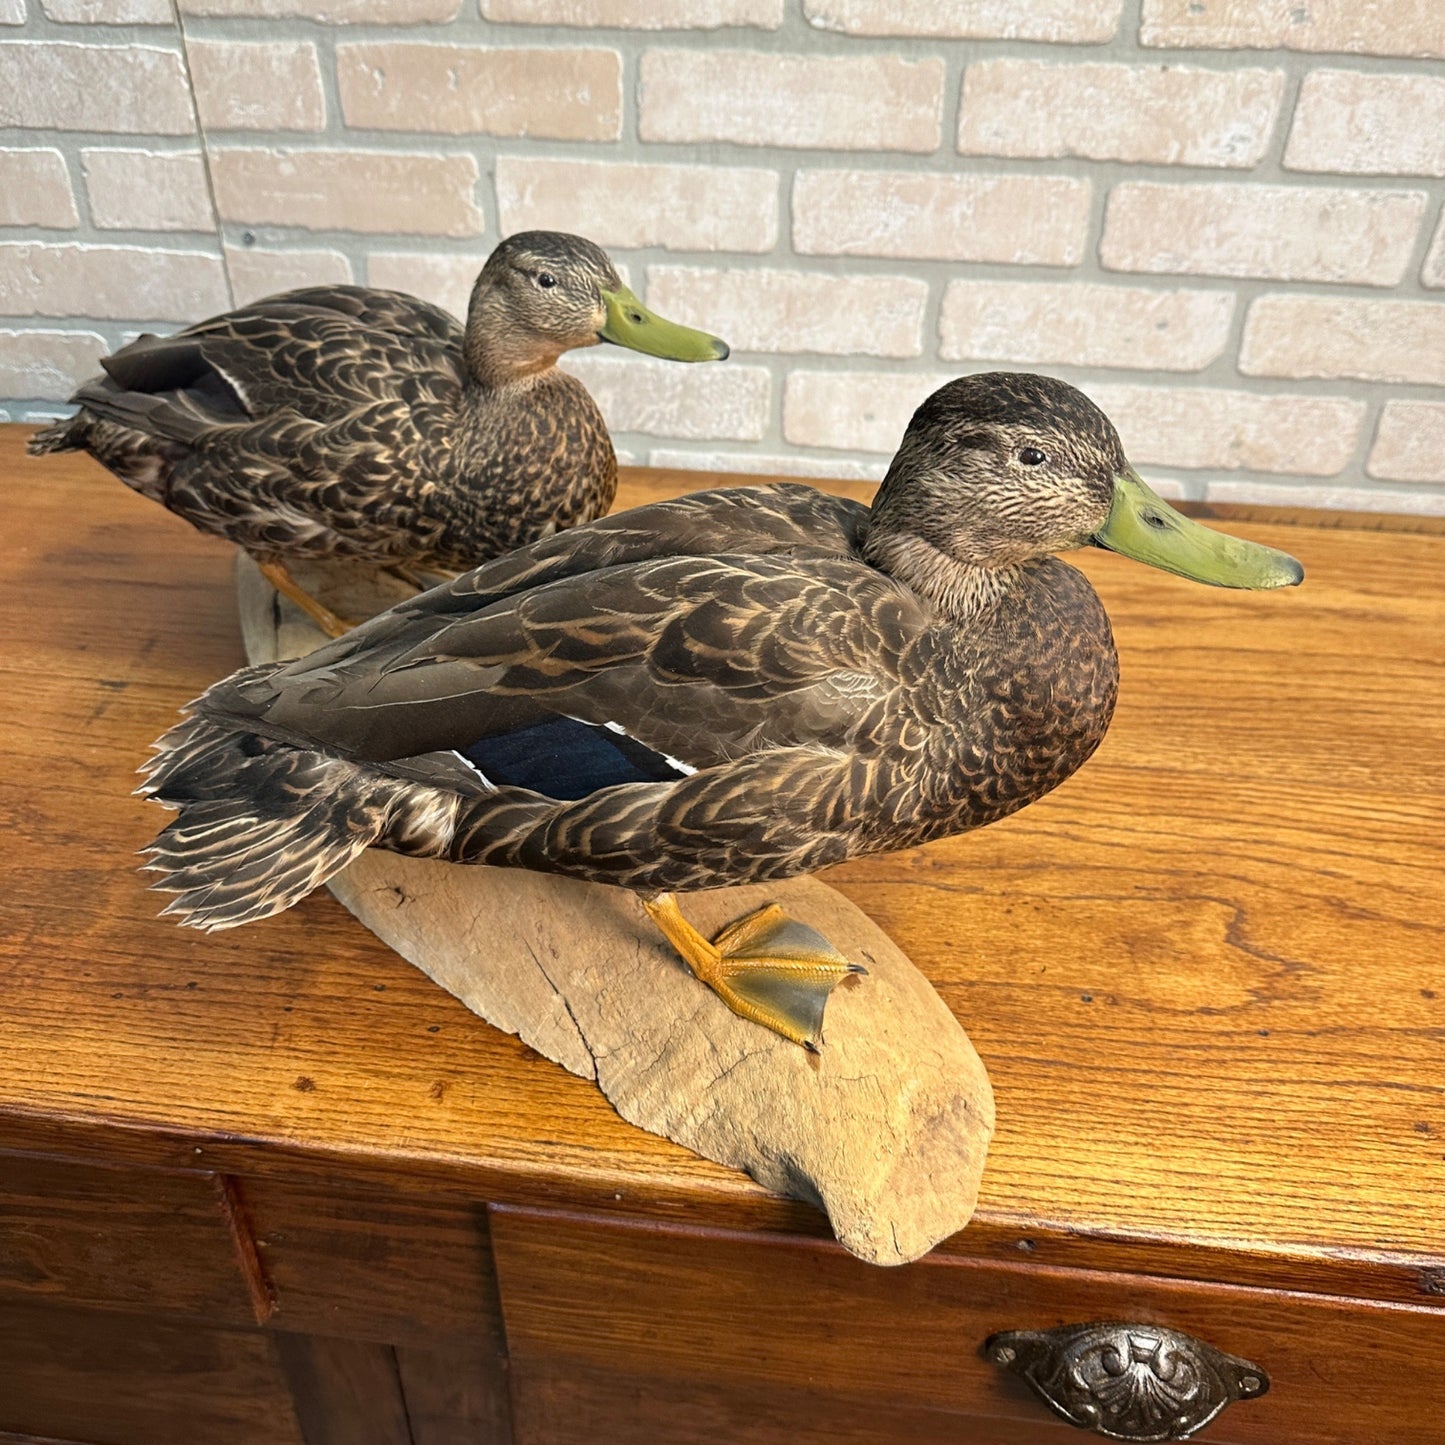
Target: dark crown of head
x=555 y=248
x=1041 y=404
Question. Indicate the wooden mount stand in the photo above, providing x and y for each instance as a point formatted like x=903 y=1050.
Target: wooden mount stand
x=885 y=1130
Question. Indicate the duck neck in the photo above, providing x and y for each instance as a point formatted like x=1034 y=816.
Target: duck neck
x=916 y=535
x=497 y=353
x=959 y=591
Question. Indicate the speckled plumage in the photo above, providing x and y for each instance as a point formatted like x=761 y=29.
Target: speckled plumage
x=344 y=421
x=794 y=651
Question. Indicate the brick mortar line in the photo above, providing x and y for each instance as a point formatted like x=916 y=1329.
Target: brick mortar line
x=469 y=28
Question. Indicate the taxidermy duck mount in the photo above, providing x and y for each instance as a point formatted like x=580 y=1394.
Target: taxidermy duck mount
x=736 y=687
x=346 y=422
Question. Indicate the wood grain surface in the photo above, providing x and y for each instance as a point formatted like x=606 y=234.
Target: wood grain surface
x=1205 y=975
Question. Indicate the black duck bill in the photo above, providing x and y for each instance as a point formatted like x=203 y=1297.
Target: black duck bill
x=1142 y=525
x=631 y=324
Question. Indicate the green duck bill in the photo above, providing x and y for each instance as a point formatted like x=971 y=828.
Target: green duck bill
x=1142 y=525
x=631 y=324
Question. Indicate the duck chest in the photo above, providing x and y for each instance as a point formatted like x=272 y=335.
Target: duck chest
x=273 y=1187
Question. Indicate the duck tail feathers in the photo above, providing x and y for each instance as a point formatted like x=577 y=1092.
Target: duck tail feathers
x=260 y=823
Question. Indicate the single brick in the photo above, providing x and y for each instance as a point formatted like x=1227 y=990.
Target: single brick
x=638 y=14
x=446 y=280
x=795 y=311
x=140 y=89
x=12 y=12
x=138 y=283
x=1334 y=496
x=1362 y=27
x=1077 y=21
x=872 y=102
x=147 y=190
x=1019 y=220
x=47 y=365
x=109 y=12
x=1277 y=233
x=1369 y=124
x=35 y=189
x=859 y=411
x=1067 y=323
x=333 y=12
x=1410 y=443
x=676 y=207
x=380 y=192
x=1432 y=273
x=760 y=464
x=1234 y=430
x=255 y=273
x=561 y=94
x=659 y=398
x=1340 y=336
x=1168 y=114
x=270 y=86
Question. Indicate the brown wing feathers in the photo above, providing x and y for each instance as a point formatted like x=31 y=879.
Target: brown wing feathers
x=725 y=663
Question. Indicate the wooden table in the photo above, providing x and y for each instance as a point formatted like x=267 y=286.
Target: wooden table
x=273 y=1186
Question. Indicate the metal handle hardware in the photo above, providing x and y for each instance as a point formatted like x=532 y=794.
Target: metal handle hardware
x=1129 y=1382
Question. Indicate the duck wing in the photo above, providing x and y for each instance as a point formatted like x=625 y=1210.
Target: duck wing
x=629 y=707
x=316 y=421
x=779 y=518
x=633 y=623
x=288 y=354
x=376 y=310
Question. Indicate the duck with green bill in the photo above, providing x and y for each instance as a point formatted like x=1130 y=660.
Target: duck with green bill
x=734 y=687
x=345 y=421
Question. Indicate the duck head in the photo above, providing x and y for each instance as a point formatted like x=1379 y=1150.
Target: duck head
x=545 y=292
x=999 y=469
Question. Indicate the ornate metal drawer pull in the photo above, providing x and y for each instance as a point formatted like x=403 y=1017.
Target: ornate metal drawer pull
x=1129 y=1382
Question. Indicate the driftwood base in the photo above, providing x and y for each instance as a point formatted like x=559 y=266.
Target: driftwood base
x=885 y=1130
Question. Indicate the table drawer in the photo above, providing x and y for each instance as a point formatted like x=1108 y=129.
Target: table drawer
x=724 y=1310
x=87 y=1234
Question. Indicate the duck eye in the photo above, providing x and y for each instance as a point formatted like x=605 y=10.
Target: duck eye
x=546 y=279
x=1032 y=457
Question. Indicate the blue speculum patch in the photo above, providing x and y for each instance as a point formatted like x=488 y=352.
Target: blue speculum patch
x=567 y=759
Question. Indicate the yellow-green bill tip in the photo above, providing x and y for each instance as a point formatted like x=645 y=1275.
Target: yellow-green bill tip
x=629 y=323
x=1142 y=525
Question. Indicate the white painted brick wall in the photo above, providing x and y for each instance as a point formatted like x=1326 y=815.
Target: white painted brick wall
x=1225 y=219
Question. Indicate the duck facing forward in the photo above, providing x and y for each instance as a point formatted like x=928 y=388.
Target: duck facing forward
x=737 y=686
x=339 y=421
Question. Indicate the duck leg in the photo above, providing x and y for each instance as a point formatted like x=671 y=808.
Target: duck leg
x=405 y=574
x=277 y=574
x=766 y=967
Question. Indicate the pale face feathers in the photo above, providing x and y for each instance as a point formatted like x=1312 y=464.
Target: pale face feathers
x=995 y=470
x=540 y=294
